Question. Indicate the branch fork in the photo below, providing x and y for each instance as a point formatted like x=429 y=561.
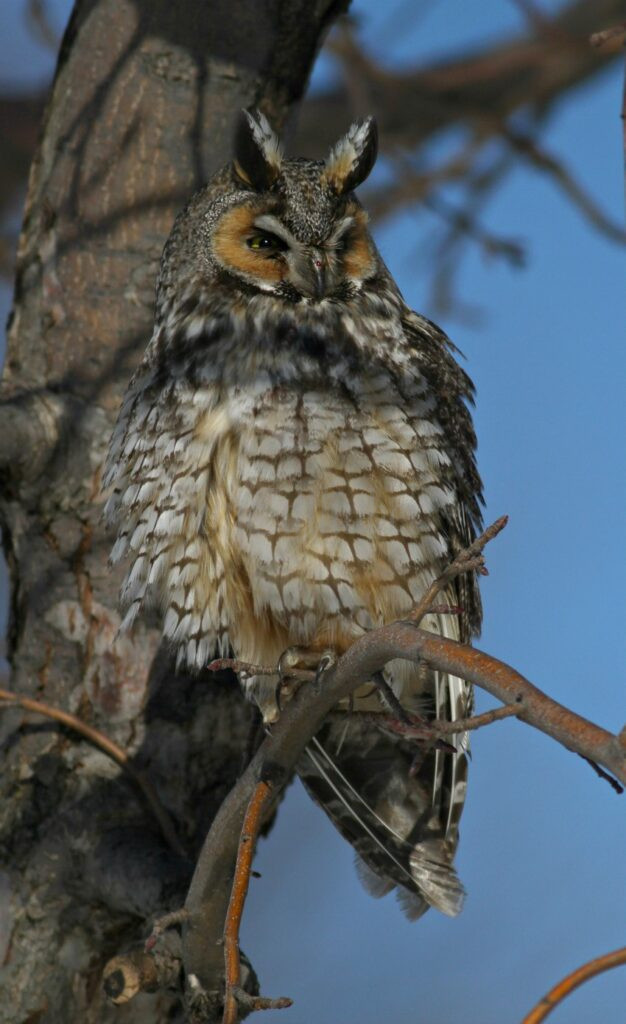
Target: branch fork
x=216 y=897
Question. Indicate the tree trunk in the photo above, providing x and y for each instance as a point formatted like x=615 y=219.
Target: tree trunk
x=140 y=115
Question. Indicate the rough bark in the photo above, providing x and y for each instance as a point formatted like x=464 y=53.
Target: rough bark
x=139 y=116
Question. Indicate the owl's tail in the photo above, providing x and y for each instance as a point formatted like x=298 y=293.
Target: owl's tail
x=396 y=803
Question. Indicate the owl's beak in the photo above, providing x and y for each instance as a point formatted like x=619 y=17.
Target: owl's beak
x=319 y=277
x=309 y=272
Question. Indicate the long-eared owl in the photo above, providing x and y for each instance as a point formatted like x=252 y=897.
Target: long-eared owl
x=292 y=465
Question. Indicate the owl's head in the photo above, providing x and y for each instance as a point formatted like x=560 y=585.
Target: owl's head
x=293 y=227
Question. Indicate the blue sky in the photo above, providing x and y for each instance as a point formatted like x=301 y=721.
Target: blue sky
x=542 y=839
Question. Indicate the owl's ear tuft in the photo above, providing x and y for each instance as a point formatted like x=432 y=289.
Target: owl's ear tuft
x=352 y=159
x=258 y=154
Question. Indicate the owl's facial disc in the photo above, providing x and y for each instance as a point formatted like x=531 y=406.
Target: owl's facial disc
x=259 y=248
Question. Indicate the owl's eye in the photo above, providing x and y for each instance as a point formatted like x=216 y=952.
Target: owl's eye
x=268 y=244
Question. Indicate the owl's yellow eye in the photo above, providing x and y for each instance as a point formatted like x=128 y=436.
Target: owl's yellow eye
x=268 y=244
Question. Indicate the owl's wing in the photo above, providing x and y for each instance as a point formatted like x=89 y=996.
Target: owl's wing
x=399 y=806
x=159 y=471
x=432 y=357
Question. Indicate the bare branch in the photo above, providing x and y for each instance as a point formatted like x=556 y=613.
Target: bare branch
x=38 y=18
x=464 y=223
x=600 y=772
x=468 y=560
x=442 y=728
x=234 y=994
x=549 y=164
x=163 y=924
x=250 y=1003
x=209 y=893
x=532 y=69
x=112 y=750
x=589 y=970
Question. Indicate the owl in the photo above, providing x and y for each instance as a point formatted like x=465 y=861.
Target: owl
x=293 y=464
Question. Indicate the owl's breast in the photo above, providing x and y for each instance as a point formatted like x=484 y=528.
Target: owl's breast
x=334 y=498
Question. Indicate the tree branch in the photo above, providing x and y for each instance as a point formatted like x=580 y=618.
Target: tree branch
x=530 y=150
x=235 y=996
x=533 y=69
x=209 y=893
x=589 y=970
x=112 y=750
x=469 y=560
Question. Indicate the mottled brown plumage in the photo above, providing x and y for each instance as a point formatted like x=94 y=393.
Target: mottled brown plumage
x=293 y=464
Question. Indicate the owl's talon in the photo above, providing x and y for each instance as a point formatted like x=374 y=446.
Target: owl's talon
x=327 y=660
x=292 y=658
x=296 y=662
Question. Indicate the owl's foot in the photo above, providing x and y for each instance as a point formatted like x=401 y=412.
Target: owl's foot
x=298 y=665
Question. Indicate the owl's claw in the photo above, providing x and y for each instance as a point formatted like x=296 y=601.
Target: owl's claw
x=296 y=664
x=326 y=661
x=298 y=658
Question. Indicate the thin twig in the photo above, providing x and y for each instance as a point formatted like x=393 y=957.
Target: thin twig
x=589 y=970
x=423 y=729
x=247 y=842
x=469 y=560
x=444 y=609
x=252 y=1003
x=528 y=148
x=600 y=772
x=464 y=222
x=475 y=721
x=115 y=752
x=162 y=924
x=38 y=17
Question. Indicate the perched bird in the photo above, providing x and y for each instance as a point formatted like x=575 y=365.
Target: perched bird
x=293 y=464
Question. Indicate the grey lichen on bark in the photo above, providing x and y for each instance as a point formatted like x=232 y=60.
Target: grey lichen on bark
x=140 y=114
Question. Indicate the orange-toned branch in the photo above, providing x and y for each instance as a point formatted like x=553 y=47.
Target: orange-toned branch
x=510 y=687
x=117 y=753
x=249 y=834
x=589 y=970
x=302 y=717
x=213 y=898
